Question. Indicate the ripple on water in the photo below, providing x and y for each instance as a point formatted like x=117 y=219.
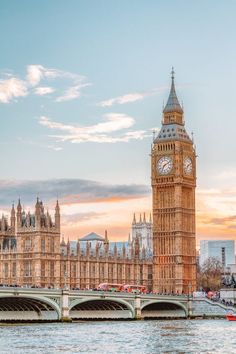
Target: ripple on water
x=142 y=337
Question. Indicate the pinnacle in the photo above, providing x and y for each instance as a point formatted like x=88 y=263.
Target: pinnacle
x=172 y=104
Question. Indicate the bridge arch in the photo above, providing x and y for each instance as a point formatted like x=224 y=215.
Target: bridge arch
x=101 y=308
x=28 y=308
x=163 y=309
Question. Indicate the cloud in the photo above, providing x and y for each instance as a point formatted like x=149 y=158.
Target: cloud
x=12 y=88
x=100 y=133
x=130 y=97
x=55 y=148
x=34 y=74
x=72 y=93
x=69 y=88
x=37 y=73
x=43 y=90
x=69 y=191
x=75 y=219
x=223 y=220
x=216 y=213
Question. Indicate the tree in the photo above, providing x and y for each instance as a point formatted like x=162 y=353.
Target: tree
x=209 y=274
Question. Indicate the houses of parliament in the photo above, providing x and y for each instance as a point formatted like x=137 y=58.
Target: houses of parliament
x=32 y=252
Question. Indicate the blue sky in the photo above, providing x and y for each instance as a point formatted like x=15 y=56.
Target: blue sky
x=82 y=85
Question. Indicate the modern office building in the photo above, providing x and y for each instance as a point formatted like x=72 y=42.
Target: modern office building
x=224 y=250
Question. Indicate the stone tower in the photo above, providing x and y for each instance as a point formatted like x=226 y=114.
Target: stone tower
x=173 y=165
x=38 y=244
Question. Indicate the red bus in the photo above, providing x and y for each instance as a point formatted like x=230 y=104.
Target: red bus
x=110 y=287
x=136 y=289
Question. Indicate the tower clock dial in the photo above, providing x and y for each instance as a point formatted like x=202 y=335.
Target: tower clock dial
x=188 y=165
x=164 y=165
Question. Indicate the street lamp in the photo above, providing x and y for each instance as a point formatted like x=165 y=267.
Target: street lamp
x=189 y=301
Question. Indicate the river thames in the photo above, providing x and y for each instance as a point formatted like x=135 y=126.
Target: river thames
x=175 y=336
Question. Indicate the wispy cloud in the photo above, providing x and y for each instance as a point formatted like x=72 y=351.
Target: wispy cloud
x=72 y=92
x=12 y=88
x=216 y=213
x=36 y=73
x=130 y=97
x=76 y=219
x=37 y=144
x=69 y=191
x=55 y=148
x=223 y=220
x=41 y=91
x=99 y=133
x=69 y=88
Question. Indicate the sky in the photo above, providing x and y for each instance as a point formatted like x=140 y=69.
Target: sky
x=82 y=87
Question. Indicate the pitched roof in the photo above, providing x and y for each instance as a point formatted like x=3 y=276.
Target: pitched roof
x=172 y=104
x=92 y=237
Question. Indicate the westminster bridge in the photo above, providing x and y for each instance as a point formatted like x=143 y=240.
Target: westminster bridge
x=26 y=304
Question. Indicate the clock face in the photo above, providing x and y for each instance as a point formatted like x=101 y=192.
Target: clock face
x=188 y=165
x=164 y=165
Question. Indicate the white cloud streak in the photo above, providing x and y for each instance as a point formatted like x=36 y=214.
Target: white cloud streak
x=70 y=88
x=41 y=91
x=102 y=132
x=72 y=93
x=12 y=88
x=36 y=73
x=130 y=97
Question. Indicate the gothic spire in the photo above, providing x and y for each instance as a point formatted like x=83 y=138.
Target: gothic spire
x=13 y=210
x=106 y=242
x=172 y=104
x=57 y=208
x=19 y=206
x=144 y=218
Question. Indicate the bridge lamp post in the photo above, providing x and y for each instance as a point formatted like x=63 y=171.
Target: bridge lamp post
x=190 y=310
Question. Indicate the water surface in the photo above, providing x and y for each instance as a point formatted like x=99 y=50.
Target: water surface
x=178 y=336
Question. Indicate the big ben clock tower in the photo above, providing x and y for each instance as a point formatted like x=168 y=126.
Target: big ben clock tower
x=173 y=186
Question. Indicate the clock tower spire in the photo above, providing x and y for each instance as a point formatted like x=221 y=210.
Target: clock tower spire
x=173 y=185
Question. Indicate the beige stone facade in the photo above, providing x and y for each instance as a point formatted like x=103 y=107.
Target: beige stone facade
x=173 y=166
x=31 y=254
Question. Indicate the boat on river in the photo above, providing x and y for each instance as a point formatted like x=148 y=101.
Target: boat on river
x=231 y=316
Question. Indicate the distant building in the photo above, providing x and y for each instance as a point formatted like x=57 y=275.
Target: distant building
x=142 y=229
x=223 y=250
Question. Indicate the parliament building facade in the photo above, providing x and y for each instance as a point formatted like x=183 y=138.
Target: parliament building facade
x=32 y=254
